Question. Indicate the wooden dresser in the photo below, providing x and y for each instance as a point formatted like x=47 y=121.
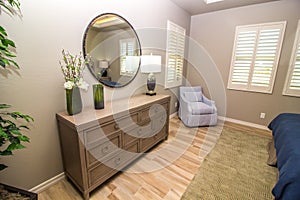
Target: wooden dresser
x=96 y=144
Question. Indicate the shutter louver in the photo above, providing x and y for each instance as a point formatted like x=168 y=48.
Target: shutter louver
x=292 y=84
x=243 y=57
x=265 y=57
x=255 y=57
x=295 y=81
x=175 y=55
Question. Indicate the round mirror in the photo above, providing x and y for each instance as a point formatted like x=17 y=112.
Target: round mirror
x=112 y=50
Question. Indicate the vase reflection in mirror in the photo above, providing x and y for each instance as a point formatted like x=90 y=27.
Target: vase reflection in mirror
x=98 y=96
x=151 y=64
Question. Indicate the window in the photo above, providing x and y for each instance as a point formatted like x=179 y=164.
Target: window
x=292 y=83
x=255 y=57
x=175 y=55
x=127 y=48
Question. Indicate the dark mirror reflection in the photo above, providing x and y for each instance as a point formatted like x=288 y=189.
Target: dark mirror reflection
x=112 y=50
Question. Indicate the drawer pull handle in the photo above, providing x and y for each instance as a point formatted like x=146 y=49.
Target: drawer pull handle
x=117 y=161
x=116 y=126
x=139 y=132
x=105 y=149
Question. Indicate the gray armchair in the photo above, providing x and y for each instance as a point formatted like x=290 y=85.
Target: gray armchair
x=195 y=109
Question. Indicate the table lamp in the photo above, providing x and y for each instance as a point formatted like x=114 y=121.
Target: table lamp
x=151 y=64
x=103 y=65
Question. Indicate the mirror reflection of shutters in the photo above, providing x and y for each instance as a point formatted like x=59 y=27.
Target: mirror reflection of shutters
x=127 y=48
x=175 y=55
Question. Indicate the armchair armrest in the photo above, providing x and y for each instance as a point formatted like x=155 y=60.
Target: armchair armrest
x=209 y=102
x=184 y=105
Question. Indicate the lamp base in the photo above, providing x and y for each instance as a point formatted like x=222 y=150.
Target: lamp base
x=151 y=82
x=151 y=93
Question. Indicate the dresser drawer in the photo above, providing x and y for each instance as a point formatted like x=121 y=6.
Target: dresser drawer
x=156 y=109
x=98 y=132
x=106 y=169
x=127 y=121
x=132 y=147
x=103 y=148
x=147 y=142
x=100 y=173
x=158 y=122
x=136 y=132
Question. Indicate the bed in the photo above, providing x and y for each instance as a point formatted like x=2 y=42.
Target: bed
x=286 y=134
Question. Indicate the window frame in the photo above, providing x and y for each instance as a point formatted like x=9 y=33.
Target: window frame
x=292 y=64
x=180 y=33
x=255 y=71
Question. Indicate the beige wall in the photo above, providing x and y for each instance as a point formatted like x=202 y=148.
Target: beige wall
x=46 y=27
x=215 y=33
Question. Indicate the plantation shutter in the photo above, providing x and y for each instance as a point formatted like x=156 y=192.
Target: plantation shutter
x=127 y=47
x=245 y=47
x=175 y=55
x=292 y=84
x=255 y=57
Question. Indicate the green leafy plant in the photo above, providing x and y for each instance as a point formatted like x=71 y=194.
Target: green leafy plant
x=10 y=132
x=6 y=45
x=11 y=137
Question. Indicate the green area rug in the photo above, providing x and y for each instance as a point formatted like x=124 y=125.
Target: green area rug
x=235 y=169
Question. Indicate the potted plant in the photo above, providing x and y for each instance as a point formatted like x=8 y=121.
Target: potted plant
x=11 y=123
x=72 y=68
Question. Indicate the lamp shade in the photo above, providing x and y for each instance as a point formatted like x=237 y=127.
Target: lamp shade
x=150 y=63
x=103 y=63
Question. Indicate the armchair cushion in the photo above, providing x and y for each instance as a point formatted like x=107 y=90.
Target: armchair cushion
x=199 y=108
x=193 y=96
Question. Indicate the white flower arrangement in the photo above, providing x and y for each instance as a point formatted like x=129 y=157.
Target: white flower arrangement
x=72 y=69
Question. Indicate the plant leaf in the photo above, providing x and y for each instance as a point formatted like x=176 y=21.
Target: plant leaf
x=15 y=131
x=2 y=63
x=23 y=126
x=3 y=134
x=2 y=31
x=7 y=42
x=4 y=106
x=5 y=153
x=16 y=115
x=15 y=146
x=2 y=167
x=23 y=138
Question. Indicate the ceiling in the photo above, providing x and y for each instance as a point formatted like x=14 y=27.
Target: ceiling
x=195 y=7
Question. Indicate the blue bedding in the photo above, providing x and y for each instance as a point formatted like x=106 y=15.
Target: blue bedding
x=286 y=132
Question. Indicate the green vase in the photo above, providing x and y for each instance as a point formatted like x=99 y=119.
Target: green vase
x=98 y=96
x=74 y=103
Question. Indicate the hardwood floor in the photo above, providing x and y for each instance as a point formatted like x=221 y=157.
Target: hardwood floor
x=163 y=173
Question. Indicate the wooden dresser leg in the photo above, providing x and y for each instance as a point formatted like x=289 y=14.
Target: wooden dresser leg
x=86 y=195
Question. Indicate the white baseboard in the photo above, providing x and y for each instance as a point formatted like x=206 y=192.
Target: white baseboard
x=45 y=185
x=243 y=122
x=173 y=115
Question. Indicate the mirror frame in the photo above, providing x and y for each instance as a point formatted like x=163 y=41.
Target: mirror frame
x=138 y=43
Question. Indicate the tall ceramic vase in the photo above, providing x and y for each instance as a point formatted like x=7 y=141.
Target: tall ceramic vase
x=74 y=103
